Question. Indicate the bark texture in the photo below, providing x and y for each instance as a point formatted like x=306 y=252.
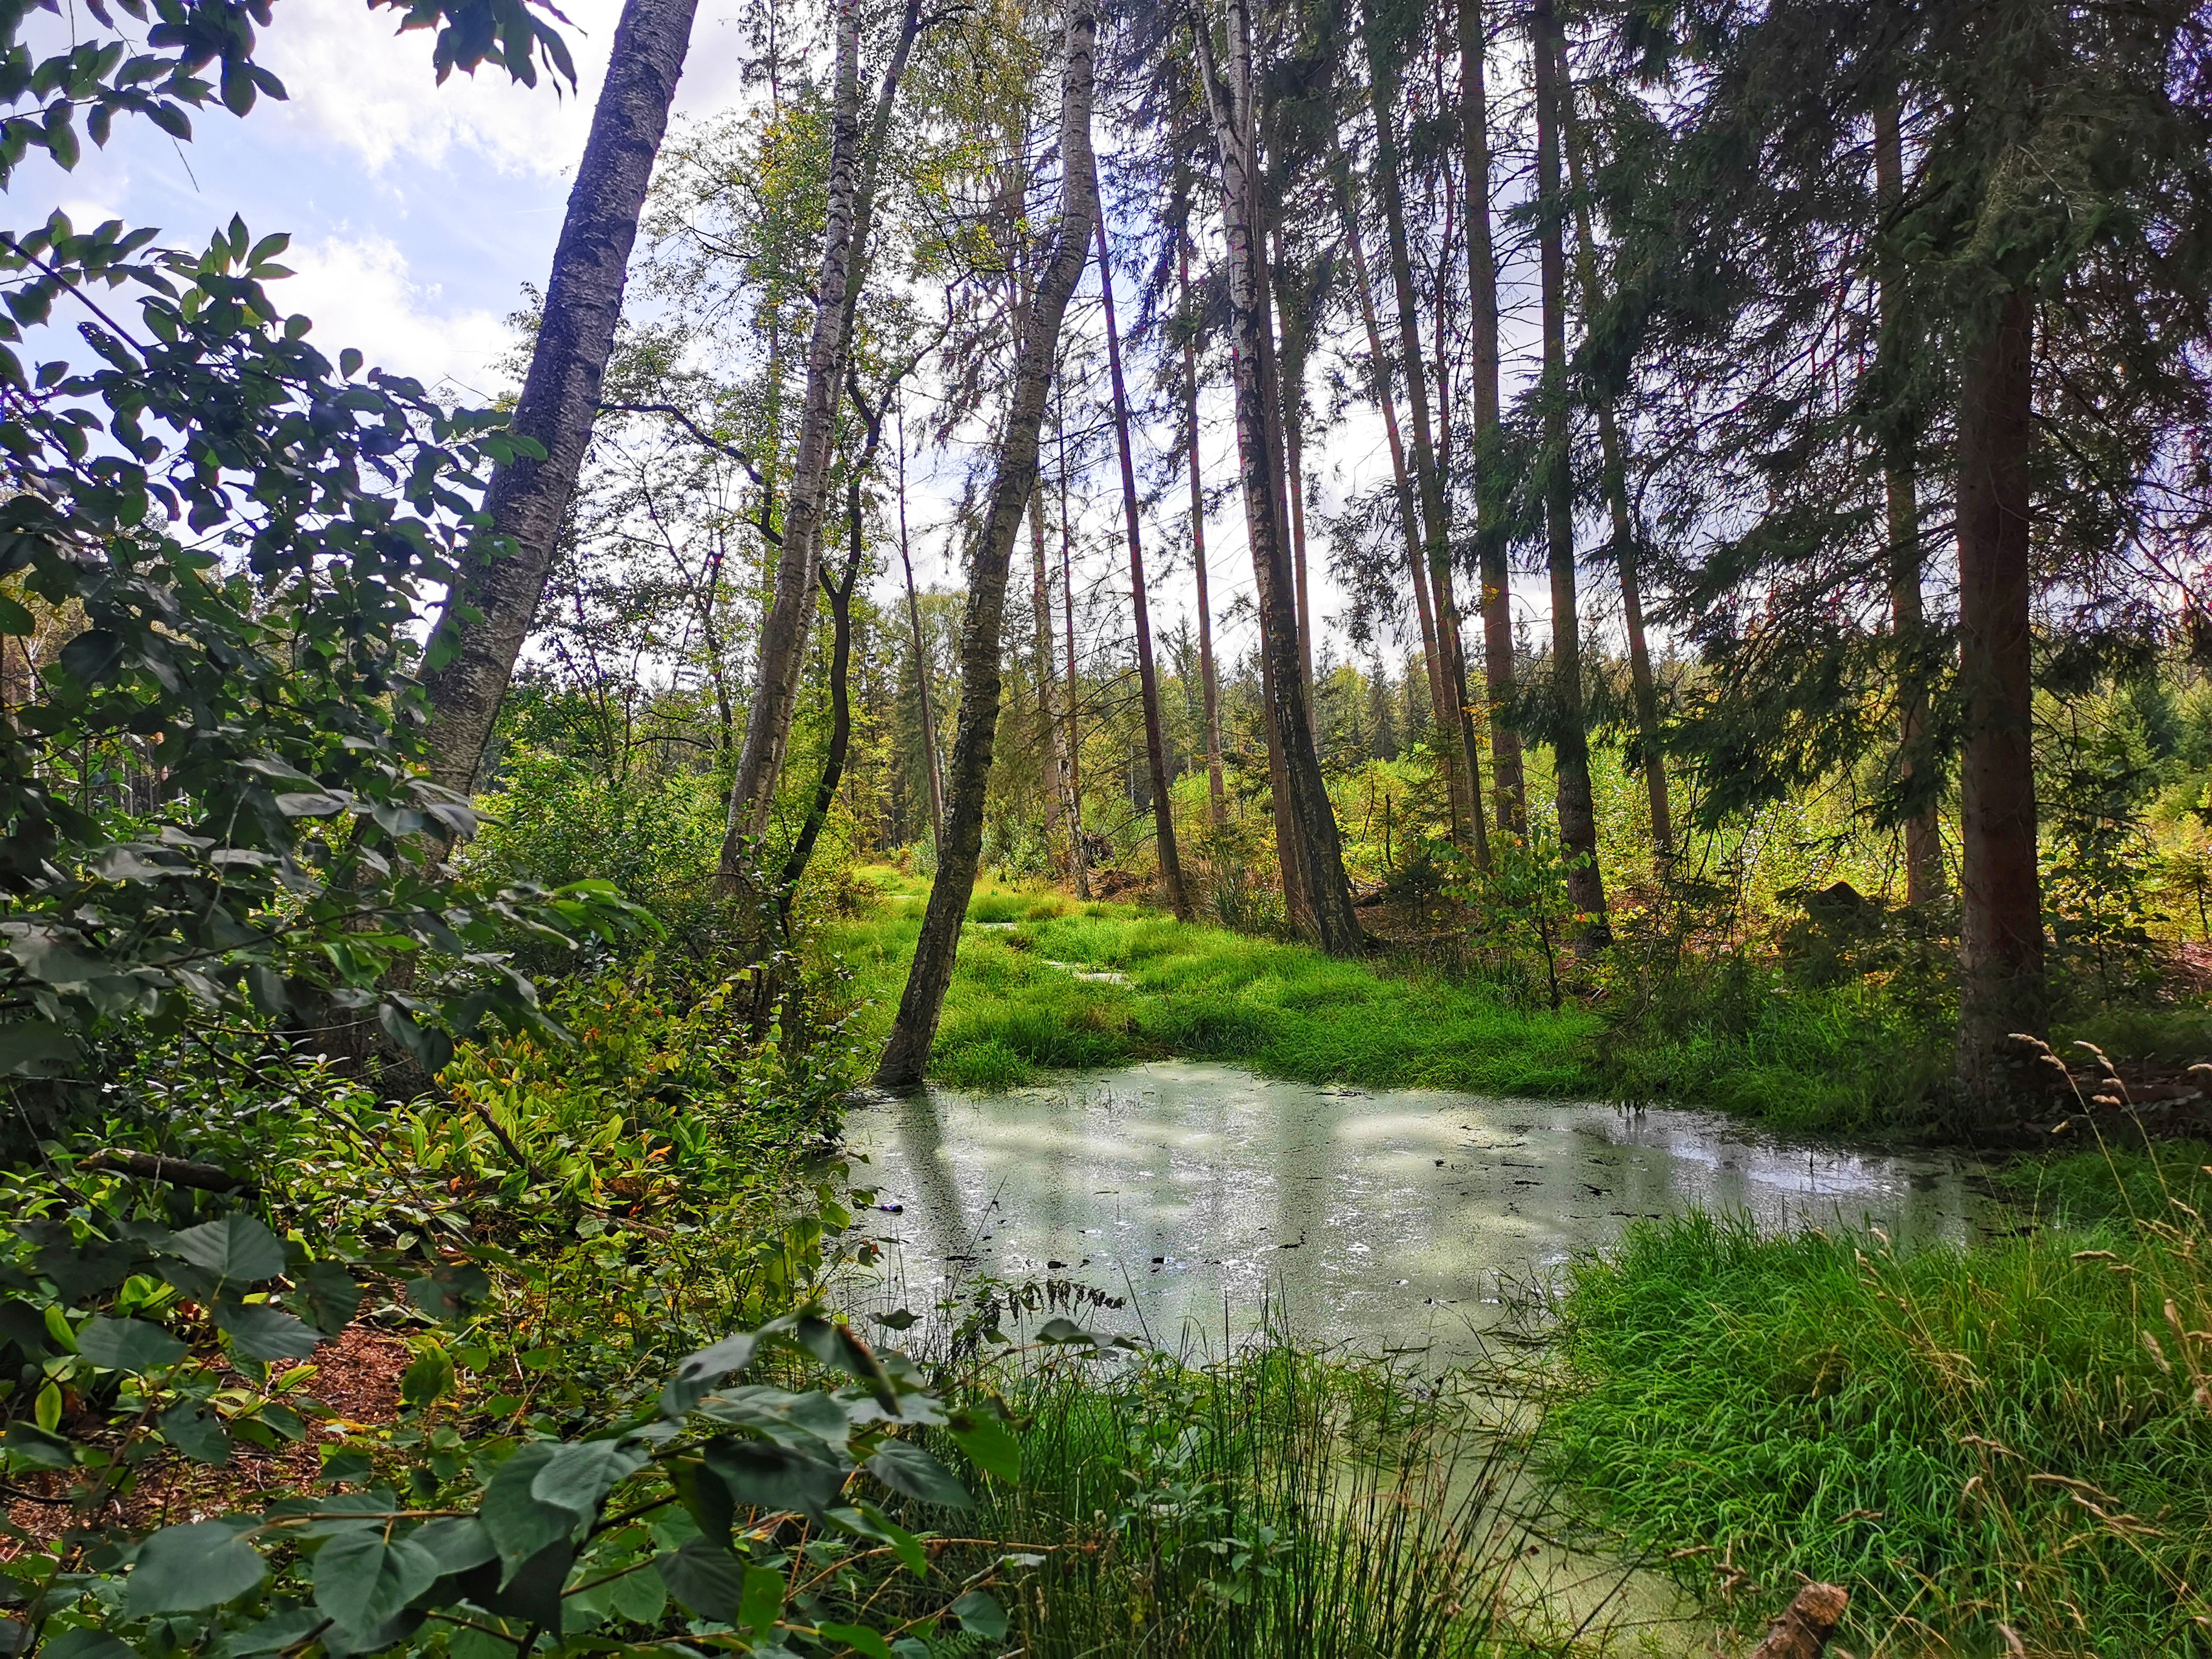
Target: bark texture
x=1570 y=738
x=1409 y=519
x=782 y=648
x=1306 y=836
x=1457 y=738
x=1807 y=1626
x=1217 y=790
x=2000 y=985
x=528 y=499
x=1507 y=777
x=915 y=1029
x=1148 y=679
x=1923 y=839
x=920 y=656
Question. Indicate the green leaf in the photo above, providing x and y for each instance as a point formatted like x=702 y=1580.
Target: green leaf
x=706 y=1368
x=768 y=1477
x=905 y=1468
x=639 y=1597
x=332 y=1295
x=866 y=1521
x=705 y=1578
x=459 y=1542
x=427 y=1376
x=989 y=1443
x=576 y=1477
x=764 y=1599
x=860 y=1638
x=980 y=1614
x=199 y=1434
x=128 y=1345
x=29 y=1446
x=261 y=1332
x=235 y=1247
x=201 y=1564
x=519 y=1523
x=363 y=1578
x=33 y=1048
x=83 y=1643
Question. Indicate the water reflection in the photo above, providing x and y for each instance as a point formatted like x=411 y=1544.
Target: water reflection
x=1388 y=1220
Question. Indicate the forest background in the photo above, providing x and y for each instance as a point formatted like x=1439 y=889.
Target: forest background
x=447 y=846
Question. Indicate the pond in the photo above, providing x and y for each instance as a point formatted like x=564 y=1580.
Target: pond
x=1401 y=1221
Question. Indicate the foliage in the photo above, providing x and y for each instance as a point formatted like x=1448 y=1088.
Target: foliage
x=686 y=1499
x=1022 y=1000
x=2008 y=1433
x=1275 y=1502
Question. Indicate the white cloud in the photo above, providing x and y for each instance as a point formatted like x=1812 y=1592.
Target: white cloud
x=354 y=81
x=358 y=291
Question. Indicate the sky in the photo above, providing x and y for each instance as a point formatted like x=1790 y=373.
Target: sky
x=418 y=214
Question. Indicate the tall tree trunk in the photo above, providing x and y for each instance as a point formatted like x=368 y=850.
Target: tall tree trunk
x=1148 y=679
x=480 y=632
x=1570 y=739
x=1294 y=329
x=1923 y=839
x=2001 y=988
x=915 y=1029
x=1217 y=790
x=854 y=167
x=1614 y=459
x=1078 y=856
x=1409 y=521
x=1306 y=832
x=1048 y=676
x=1428 y=475
x=1507 y=777
x=920 y=653
x=783 y=649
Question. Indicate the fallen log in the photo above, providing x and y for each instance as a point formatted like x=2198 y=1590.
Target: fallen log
x=177 y=1171
x=1807 y=1625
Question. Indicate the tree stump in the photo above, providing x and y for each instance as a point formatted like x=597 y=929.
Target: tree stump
x=1807 y=1625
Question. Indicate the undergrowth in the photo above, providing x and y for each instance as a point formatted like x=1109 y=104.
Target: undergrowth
x=2010 y=1435
x=1018 y=1003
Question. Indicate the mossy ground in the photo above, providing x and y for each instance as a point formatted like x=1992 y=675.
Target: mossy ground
x=1020 y=1003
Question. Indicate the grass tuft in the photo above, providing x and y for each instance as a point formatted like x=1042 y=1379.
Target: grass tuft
x=2014 y=1433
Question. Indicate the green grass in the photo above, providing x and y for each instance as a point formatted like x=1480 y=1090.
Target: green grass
x=1275 y=1504
x=1961 y=1438
x=1201 y=992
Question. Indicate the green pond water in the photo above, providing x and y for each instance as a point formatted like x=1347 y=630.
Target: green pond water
x=1399 y=1221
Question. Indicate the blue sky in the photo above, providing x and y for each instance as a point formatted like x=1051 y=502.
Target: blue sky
x=417 y=211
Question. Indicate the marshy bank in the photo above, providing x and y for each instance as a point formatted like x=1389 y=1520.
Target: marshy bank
x=1973 y=1391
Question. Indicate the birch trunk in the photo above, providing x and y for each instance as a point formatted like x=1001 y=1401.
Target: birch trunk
x=1078 y=856
x=915 y=1029
x=855 y=164
x=480 y=632
x=921 y=653
x=1217 y=791
x=1306 y=834
x=790 y=612
x=1570 y=739
x=1507 y=778
x=1055 y=767
x=1148 y=681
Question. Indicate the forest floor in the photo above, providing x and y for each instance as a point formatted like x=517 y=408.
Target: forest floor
x=1045 y=981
